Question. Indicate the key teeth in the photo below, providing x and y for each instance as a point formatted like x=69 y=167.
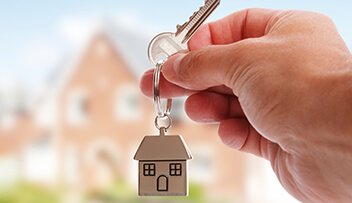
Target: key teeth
x=200 y=8
x=196 y=12
x=190 y=18
x=180 y=27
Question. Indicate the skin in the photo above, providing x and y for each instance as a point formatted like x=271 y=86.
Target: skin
x=279 y=83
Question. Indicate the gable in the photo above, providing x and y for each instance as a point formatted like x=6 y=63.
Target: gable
x=102 y=60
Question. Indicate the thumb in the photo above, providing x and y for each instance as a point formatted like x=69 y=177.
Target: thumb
x=207 y=67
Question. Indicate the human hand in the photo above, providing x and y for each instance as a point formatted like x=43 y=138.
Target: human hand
x=280 y=85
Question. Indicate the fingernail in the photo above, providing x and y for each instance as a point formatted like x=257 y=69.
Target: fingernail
x=172 y=65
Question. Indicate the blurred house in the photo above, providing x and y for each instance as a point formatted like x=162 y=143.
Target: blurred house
x=83 y=133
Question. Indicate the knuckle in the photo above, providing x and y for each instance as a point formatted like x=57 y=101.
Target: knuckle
x=248 y=65
x=191 y=64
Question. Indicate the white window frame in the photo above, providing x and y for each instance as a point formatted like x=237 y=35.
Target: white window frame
x=123 y=110
x=74 y=115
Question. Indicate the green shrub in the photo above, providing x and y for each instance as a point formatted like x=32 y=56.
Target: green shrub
x=27 y=193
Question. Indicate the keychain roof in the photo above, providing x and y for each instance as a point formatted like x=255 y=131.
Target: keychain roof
x=170 y=147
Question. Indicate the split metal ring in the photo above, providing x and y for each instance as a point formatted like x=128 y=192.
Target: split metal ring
x=161 y=118
x=156 y=93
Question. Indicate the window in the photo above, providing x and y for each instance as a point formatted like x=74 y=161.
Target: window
x=149 y=169
x=175 y=170
x=77 y=107
x=41 y=158
x=128 y=105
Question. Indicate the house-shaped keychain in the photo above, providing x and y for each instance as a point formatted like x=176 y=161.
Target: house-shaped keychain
x=163 y=165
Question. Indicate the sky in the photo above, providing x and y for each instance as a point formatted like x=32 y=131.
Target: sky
x=37 y=35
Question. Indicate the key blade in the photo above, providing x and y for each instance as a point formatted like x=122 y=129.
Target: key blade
x=188 y=29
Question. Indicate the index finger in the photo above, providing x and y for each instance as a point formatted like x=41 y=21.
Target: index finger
x=248 y=23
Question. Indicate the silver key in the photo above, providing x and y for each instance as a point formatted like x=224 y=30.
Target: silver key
x=166 y=44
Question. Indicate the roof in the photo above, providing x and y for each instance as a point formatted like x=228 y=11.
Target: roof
x=168 y=147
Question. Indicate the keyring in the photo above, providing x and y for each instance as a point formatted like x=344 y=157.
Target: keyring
x=156 y=92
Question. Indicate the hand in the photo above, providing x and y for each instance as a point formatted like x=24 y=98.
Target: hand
x=280 y=85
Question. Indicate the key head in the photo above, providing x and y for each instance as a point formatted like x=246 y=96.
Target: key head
x=165 y=45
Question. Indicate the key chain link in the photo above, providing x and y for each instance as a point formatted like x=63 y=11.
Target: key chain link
x=157 y=103
x=157 y=118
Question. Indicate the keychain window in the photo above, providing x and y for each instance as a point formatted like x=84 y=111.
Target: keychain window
x=175 y=169
x=149 y=170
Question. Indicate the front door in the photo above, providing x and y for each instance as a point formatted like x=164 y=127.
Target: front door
x=162 y=184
